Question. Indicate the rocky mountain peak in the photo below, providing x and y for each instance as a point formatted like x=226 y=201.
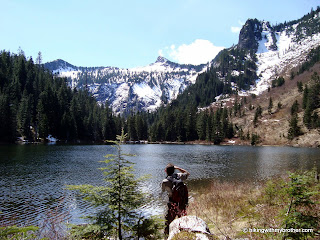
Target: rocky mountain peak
x=273 y=49
x=250 y=34
x=59 y=64
x=161 y=59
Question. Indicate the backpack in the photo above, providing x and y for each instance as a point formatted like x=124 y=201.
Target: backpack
x=179 y=191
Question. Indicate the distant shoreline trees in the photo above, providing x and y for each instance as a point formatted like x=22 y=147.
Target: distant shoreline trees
x=34 y=103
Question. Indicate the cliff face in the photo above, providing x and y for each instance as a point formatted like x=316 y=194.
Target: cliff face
x=250 y=34
x=136 y=89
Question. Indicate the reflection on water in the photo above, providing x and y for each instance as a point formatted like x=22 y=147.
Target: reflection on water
x=32 y=177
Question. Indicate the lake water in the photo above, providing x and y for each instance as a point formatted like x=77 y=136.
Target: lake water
x=33 y=177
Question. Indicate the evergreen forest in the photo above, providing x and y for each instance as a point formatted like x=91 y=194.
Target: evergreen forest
x=34 y=104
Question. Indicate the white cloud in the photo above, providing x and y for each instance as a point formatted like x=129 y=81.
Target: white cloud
x=237 y=29
x=198 y=52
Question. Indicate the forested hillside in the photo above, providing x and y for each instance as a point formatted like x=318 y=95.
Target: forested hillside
x=182 y=119
x=34 y=104
x=234 y=71
x=286 y=114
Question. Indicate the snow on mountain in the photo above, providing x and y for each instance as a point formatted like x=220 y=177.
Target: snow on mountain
x=164 y=65
x=289 y=54
x=140 y=88
x=278 y=52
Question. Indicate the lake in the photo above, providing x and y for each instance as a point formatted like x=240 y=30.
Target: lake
x=33 y=177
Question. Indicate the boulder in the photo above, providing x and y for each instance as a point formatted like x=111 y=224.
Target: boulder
x=191 y=224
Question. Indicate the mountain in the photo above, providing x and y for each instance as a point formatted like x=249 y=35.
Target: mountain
x=249 y=89
x=281 y=48
x=263 y=53
x=288 y=67
x=138 y=89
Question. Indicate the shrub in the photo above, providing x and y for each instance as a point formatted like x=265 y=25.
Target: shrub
x=14 y=232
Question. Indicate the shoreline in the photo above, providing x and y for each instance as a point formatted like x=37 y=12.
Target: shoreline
x=231 y=142
x=236 y=143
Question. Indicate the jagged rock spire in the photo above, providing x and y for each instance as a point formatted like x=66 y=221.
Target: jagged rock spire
x=161 y=59
x=250 y=34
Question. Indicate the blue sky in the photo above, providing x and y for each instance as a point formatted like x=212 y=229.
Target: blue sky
x=133 y=33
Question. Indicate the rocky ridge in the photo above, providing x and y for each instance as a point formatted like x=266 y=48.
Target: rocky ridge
x=136 y=89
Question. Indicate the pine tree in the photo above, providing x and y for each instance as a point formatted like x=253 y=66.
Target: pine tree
x=294 y=107
x=208 y=128
x=39 y=59
x=190 y=125
x=6 y=129
x=132 y=131
x=125 y=197
x=118 y=202
x=294 y=129
x=179 y=126
x=139 y=126
x=300 y=86
x=305 y=97
x=300 y=192
x=270 y=106
x=257 y=114
x=24 y=116
x=307 y=120
x=108 y=125
x=255 y=138
x=20 y=72
x=217 y=132
x=42 y=120
x=201 y=125
x=315 y=120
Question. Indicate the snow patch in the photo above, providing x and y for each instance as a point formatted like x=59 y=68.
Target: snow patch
x=235 y=73
x=51 y=139
x=271 y=63
x=147 y=84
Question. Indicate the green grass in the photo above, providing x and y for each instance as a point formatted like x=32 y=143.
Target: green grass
x=281 y=202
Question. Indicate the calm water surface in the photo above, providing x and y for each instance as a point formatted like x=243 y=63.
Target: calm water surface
x=33 y=177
